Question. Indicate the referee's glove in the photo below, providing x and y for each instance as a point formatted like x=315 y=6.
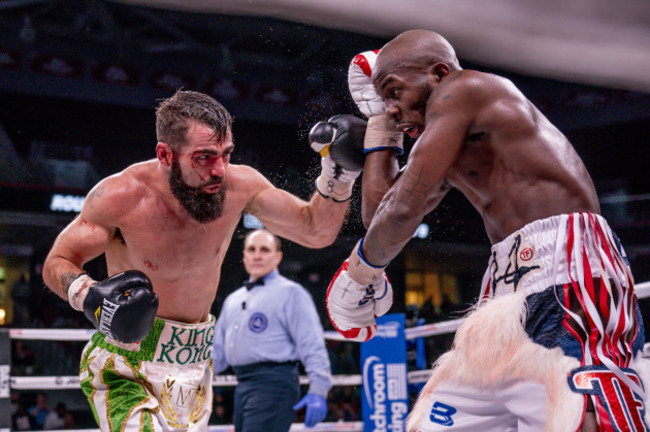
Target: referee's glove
x=316 y=408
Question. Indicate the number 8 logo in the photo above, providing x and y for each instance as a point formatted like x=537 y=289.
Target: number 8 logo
x=441 y=414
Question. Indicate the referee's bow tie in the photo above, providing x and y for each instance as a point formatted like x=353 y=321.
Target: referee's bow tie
x=250 y=284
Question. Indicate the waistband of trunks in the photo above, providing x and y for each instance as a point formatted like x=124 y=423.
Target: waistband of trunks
x=168 y=342
x=541 y=236
x=553 y=251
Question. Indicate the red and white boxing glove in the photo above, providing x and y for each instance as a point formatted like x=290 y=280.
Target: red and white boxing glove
x=358 y=293
x=380 y=133
x=360 y=84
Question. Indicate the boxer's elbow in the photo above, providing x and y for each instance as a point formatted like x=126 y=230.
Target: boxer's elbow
x=320 y=239
x=322 y=225
x=50 y=278
x=48 y=272
x=320 y=235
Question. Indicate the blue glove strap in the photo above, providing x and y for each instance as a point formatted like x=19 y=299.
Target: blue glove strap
x=360 y=252
x=398 y=150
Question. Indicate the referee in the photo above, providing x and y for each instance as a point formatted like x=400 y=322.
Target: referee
x=264 y=329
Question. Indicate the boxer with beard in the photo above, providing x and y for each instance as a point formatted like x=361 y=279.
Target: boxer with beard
x=204 y=207
x=165 y=226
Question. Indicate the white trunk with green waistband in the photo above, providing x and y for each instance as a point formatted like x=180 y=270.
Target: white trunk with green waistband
x=162 y=384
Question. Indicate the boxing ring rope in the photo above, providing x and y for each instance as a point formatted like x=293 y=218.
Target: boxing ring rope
x=642 y=290
x=320 y=427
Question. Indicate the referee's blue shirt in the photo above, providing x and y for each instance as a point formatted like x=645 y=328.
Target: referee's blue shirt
x=274 y=322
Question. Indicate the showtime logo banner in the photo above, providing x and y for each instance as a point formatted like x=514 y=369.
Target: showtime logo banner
x=383 y=359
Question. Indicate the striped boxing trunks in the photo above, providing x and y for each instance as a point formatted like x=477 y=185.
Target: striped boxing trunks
x=557 y=324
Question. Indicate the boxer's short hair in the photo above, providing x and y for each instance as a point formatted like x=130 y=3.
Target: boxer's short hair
x=172 y=117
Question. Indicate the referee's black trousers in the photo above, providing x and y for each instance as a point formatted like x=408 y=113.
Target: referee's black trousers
x=265 y=396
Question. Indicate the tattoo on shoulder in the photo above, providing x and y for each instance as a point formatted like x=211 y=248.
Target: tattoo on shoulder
x=66 y=280
x=442 y=91
x=433 y=116
x=95 y=193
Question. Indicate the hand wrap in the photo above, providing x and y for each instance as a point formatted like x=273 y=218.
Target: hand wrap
x=340 y=143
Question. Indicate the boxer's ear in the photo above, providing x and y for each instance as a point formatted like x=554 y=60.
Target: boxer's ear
x=439 y=70
x=164 y=153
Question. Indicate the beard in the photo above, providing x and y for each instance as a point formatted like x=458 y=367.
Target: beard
x=203 y=207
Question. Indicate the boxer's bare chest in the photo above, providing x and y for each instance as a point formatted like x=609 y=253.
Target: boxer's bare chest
x=161 y=240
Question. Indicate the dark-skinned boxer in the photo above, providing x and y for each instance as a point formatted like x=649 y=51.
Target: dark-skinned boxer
x=555 y=341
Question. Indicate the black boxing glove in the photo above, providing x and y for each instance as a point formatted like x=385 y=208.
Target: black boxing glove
x=347 y=146
x=340 y=143
x=122 y=307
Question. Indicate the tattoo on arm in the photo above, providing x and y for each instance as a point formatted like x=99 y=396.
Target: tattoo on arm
x=413 y=196
x=415 y=191
x=66 y=280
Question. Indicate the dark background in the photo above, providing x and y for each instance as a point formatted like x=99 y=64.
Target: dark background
x=79 y=83
x=55 y=94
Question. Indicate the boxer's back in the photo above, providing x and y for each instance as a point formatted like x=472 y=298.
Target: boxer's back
x=515 y=166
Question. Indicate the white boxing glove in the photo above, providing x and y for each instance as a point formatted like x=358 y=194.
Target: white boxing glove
x=335 y=182
x=360 y=84
x=352 y=306
x=380 y=133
